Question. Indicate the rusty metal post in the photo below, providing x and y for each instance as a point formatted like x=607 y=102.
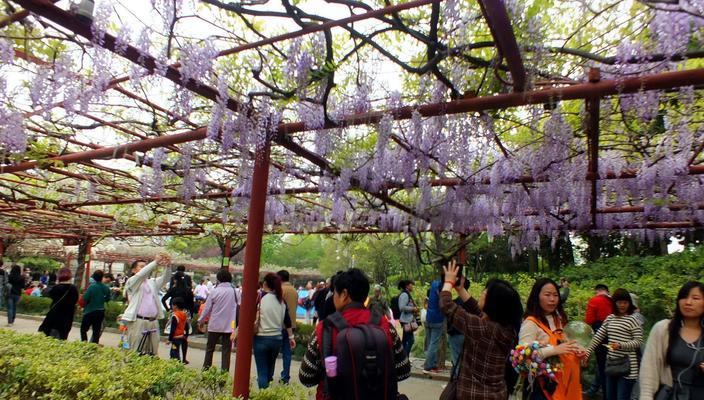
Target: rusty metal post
x=592 y=131
x=250 y=281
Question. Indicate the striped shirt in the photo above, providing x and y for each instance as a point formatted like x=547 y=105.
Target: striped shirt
x=627 y=332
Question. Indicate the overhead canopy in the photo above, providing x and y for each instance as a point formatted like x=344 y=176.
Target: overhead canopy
x=527 y=119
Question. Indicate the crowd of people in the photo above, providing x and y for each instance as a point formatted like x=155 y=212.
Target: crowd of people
x=356 y=343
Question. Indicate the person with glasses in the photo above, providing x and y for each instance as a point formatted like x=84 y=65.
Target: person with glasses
x=543 y=322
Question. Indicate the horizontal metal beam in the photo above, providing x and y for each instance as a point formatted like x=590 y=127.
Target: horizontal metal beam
x=586 y=90
x=659 y=81
x=108 y=153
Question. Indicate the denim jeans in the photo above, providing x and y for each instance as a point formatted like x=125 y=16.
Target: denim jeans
x=407 y=342
x=286 y=355
x=266 y=349
x=434 y=333
x=179 y=347
x=599 y=382
x=456 y=343
x=619 y=388
x=12 y=301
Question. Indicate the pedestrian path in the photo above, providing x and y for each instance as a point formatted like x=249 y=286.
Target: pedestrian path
x=416 y=387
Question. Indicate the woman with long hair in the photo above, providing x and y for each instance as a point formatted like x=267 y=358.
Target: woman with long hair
x=179 y=288
x=490 y=326
x=625 y=336
x=59 y=318
x=673 y=360
x=543 y=323
x=16 y=281
x=409 y=310
x=272 y=319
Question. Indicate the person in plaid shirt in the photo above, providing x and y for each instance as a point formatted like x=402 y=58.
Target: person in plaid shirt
x=490 y=327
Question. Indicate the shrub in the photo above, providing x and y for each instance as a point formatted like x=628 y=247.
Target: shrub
x=76 y=370
x=33 y=305
x=304 y=333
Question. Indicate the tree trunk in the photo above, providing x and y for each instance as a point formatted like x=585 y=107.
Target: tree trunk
x=593 y=247
x=532 y=261
x=81 y=262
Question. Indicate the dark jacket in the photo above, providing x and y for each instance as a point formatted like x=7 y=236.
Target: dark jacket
x=182 y=292
x=64 y=297
x=17 y=282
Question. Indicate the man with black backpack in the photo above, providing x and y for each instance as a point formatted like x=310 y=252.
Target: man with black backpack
x=354 y=354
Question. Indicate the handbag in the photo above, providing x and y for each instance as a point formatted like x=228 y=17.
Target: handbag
x=618 y=366
x=411 y=326
x=664 y=393
x=450 y=391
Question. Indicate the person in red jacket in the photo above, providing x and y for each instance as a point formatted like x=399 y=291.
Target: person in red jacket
x=350 y=289
x=598 y=308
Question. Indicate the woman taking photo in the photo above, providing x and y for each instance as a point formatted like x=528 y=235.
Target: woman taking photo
x=625 y=336
x=543 y=323
x=408 y=314
x=490 y=327
x=673 y=362
x=59 y=318
x=272 y=319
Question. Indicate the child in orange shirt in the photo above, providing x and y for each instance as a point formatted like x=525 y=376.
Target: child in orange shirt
x=180 y=329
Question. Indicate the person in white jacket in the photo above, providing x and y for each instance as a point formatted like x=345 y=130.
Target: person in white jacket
x=144 y=308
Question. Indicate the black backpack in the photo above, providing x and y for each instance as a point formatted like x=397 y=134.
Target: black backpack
x=365 y=360
x=395 y=310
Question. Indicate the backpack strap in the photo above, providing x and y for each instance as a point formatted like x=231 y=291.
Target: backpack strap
x=337 y=320
x=332 y=322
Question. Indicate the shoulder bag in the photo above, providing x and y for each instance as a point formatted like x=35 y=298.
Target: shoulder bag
x=450 y=391
x=619 y=365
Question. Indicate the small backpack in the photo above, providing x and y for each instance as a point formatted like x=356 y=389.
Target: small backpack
x=365 y=360
x=395 y=309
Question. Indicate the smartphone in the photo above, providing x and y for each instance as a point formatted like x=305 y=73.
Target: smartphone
x=459 y=275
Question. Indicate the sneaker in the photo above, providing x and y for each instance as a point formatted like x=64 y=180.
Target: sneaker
x=430 y=371
x=10 y=325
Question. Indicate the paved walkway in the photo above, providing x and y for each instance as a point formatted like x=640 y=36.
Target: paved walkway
x=416 y=388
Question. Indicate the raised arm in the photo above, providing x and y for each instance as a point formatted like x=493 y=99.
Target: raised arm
x=137 y=279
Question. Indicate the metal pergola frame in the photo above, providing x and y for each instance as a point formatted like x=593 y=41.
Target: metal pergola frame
x=495 y=15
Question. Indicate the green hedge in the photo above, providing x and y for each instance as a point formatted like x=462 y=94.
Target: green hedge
x=33 y=305
x=76 y=370
x=304 y=333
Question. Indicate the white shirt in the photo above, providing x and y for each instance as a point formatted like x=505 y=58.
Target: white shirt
x=133 y=289
x=201 y=291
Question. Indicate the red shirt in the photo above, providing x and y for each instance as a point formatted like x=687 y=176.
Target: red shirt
x=598 y=308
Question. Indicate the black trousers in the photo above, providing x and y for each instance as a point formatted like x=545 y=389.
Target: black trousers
x=213 y=339
x=94 y=320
